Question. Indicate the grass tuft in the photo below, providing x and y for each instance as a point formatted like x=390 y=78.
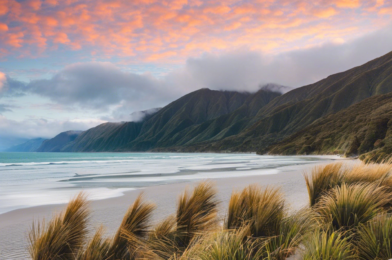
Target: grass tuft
x=347 y=206
x=64 y=235
x=322 y=179
x=135 y=225
x=290 y=236
x=368 y=173
x=196 y=212
x=322 y=245
x=263 y=210
x=375 y=239
x=226 y=244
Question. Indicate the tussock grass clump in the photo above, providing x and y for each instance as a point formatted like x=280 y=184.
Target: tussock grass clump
x=290 y=236
x=375 y=239
x=347 y=206
x=134 y=227
x=196 y=215
x=228 y=245
x=263 y=210
x=196 y=212
x=322 y=179
x=64 y=235
x=368 y=173
x=322 y=245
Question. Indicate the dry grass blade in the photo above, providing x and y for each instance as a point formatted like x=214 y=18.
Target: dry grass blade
x=164 y=229
x=375 y=239
x=64 y=235
x=263 y=210
x=97 y=248
x=321 y=245
x=135 y=222
x=322 y=179
x=196 y=212
x=347 y=206
x=368 y=173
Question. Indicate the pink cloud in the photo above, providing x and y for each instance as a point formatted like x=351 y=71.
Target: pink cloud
x=174 y=29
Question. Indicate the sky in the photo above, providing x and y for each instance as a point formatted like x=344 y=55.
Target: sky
x=74 y=64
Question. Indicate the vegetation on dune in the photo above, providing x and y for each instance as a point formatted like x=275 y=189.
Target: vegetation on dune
x=134 y=227
x=263 y=210
x=227 y=244
x=97 y=248
x=345 y=207
x=327 y=245
x=64 y=235
x=322 y=179
x=375 y=238
x=196 y=214
x=348 y=218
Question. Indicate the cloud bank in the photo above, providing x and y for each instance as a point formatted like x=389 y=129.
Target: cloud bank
x=31 y=128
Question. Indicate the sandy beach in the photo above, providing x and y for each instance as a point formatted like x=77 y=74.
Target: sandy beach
x=14 y=225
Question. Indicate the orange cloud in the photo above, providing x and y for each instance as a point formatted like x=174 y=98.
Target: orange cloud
x=386 y=10
x=3 y=27
x=217 y=9
x=34 y=4
x=3 y=7
x=325 y=13
x=348 y=3
x=153 y=30
x=61 y=38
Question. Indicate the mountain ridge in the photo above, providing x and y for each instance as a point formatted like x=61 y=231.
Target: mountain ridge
x=226 y=121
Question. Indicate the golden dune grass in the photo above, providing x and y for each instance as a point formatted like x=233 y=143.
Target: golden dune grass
x=375 y=239
x=135 y=225
x=64 y=235
x=347 y=206
x=324 y=245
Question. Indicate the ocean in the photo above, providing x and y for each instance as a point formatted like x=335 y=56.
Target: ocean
x=33 y=179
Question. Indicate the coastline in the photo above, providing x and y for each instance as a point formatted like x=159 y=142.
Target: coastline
x=14 y=225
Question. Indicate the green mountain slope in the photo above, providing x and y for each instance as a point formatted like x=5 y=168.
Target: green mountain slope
x=57 y=143
x=298 y=108
x=203 y=115
x=363 y=129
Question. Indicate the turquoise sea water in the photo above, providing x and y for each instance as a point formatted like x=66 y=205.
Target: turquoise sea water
x=32 y=179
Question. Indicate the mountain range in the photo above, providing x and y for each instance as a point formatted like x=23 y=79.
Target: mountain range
x=305 y=120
